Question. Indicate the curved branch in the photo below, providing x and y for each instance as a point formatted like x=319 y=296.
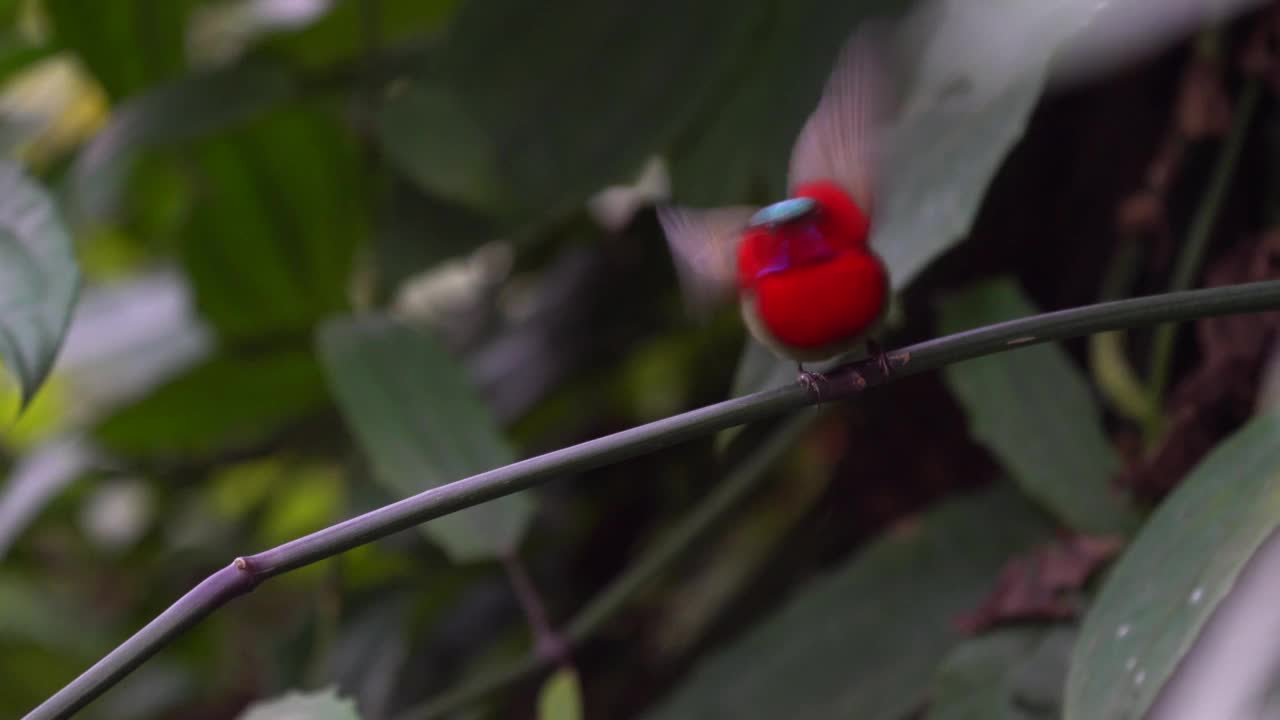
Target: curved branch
x=844 y=382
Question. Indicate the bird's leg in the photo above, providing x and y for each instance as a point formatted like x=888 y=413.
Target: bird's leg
x=811 y=381
x=877 y=353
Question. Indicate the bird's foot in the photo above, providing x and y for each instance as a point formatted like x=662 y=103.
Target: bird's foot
x=811 y=381
x=875 y=352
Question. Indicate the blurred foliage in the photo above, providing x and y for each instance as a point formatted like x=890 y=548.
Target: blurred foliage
x=244 y=401
x=332 y=253
x=832 y=652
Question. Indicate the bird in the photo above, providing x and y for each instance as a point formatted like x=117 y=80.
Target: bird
x=809 y=285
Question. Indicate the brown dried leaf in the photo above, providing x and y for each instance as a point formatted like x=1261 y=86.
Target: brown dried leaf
x=1203 y=110
x=1043 y=584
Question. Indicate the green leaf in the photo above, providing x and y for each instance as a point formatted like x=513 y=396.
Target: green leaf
x=864 y=640
x=320 y=705
x=269 y=248
x=421 y=423
x=227 y=402
x=184 y=109
x=587 y=90
x=455 y=160
x=561 y=696
x=128 y=45
x=39 y=279
x=1012 y=674
x=1182 y=564
x=1034 y=410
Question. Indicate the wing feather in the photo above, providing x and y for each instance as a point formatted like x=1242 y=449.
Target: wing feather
x=841 y=140
x=704 y=245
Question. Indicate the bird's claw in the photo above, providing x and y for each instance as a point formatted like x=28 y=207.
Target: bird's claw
x=882 y=359
x=813 y=382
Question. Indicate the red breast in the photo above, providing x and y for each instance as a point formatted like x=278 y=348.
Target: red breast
x=813 y=287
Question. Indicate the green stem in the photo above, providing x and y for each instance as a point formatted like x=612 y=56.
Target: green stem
x=1109 y=363
x=1193 y=252
x=245 y=573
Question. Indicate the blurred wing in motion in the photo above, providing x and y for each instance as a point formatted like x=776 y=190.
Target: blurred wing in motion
x=704 y=245
x=841 y=140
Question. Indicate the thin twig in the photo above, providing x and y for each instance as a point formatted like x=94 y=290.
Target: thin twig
x=548 y=645
x=246 y=572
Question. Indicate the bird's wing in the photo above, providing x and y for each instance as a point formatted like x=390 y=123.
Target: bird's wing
x=704 y=246
x=841 y=140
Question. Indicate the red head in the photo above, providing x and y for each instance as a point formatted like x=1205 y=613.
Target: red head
x=835 y=225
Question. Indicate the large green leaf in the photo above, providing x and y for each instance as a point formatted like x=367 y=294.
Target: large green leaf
x=128 y=45
x=320 y=705
x=181 y=110
x=270 y=243
x=227 y=402
x=39 y=279
x=416 y=415
x=573 y=101
x=1185 y=561
x=1035 y=411
x=864 y=640
x=969 y=97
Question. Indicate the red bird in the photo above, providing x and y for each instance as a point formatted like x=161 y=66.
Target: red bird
x=809 y=284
